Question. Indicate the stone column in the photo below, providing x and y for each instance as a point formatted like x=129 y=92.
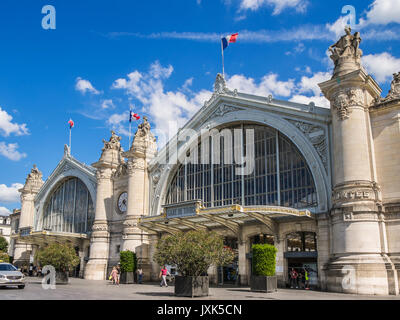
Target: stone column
x=356 y=264
x=143 y=149
x=29 y=191
x=244 y=270
x=96 y=268
x=154 y=269
x=281 y=269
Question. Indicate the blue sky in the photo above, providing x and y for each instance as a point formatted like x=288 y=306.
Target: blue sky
x=162 y=57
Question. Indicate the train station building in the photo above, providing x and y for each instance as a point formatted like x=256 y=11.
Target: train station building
x=322 y=185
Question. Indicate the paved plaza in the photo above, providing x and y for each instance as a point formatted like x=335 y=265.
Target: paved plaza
x=80 y=289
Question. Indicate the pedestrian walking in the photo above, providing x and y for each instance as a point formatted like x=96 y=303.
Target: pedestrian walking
x=140 y=275
x=293 y=278
x=118 y=273
x=163 y=275
x=307 y=279
x=114 y=275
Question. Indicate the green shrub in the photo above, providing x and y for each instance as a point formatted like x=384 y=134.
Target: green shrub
x=3 y=244
x=193 y=252
x=264 y=259
x=128 y=261
x=4 y=257
x=61 y=256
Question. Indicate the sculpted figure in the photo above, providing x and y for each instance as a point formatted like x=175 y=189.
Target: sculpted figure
x=348 y=45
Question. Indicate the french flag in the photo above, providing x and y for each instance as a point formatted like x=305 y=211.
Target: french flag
x=133 y=115
x=229 y=39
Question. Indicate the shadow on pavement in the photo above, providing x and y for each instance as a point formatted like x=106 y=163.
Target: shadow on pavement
x=154 y=294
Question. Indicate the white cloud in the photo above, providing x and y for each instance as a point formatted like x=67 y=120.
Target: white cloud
x=310 y=84
x=269 y=85
x=170 y=110
x=319 y=101
x=381 y=66
x=10 y=151
x=119 y=122
x=84 y=86
x=338 y=26
x=307 y=90
x=7 y=127
x=4 y=211
x=278 y=5
x=165 y=108
x=107 y=104
x=382 y=12
x=10 y=194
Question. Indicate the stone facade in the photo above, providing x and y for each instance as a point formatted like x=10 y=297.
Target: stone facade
x=350 y=152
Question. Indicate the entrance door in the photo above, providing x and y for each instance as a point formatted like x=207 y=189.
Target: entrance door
x=302 y=264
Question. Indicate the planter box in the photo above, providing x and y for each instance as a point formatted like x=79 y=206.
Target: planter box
x=62 y=277
x=263 y=283
x=191 y=286
x=127 y=278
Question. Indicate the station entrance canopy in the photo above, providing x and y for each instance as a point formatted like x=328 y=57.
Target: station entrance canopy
x=191 y=215
x=43 y=237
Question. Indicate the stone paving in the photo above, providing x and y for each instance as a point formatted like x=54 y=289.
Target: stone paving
x=80 y=289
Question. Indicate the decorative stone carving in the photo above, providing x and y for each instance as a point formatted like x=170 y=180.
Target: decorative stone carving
x=33 y=182
x=67 y=151
x=144 y=143
x=347 y=99
x=100 y=227
x=394 y=93
x=136 y=164
x=104 y=174
x=114 y=142
x=346 y=53
x=219 y=89
x=356 y=191
x=223 y=110
x=130 y=223
x=317 y=136
x=156 y=177
x=122 y=170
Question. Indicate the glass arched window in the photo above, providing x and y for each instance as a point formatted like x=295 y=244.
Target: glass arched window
x=69 y=209
x=280 y=177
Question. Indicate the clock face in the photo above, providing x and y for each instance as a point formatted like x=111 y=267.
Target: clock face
x=123 y=202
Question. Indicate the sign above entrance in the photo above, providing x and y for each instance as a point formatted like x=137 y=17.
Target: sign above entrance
x=182 y=209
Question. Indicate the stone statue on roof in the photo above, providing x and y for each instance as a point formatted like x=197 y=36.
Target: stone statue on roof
x=346 y=53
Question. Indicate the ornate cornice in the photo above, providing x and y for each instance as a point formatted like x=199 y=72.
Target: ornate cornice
x=346 y=99
x=135 y=164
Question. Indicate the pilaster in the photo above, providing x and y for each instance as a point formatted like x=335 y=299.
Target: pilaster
x=96 y=268
x=356 y=263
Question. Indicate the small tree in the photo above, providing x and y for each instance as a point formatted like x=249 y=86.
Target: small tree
x=264 y=260
x=193 y=252
x=4 y=257
x=3 y=244
x=128 y=261
x=61 y=256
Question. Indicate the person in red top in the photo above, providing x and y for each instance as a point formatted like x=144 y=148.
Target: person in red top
x=293 y=278
x=163 y=275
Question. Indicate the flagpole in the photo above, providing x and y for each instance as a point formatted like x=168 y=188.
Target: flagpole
x=130 y=126
x=70 y=139
x=223 y=67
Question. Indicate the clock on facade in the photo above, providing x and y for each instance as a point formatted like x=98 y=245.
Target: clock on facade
x=123 y=202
